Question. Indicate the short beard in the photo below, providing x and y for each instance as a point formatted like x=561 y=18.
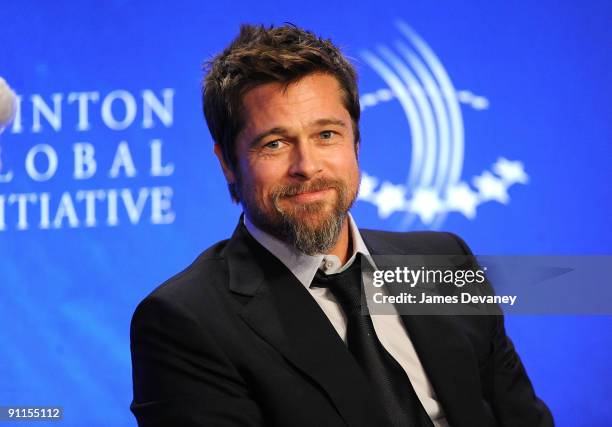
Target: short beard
x=288 y=226
x=307 y=239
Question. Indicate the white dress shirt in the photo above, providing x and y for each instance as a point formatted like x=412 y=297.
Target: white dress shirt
x=389 y=327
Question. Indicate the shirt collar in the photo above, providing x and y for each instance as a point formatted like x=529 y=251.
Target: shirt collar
x=304 y=267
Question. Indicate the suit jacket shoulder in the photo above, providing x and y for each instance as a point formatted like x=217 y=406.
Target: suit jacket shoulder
x=414 y=242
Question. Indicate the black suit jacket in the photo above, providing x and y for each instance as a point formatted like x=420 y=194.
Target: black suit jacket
x=236 y=339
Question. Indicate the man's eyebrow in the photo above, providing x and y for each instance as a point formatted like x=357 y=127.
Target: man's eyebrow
x=283 y=131
x=324 y=122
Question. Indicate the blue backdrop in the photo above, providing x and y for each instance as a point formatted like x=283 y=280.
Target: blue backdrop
x=488 y=119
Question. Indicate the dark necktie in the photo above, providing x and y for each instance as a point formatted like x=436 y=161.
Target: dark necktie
x=391 y=383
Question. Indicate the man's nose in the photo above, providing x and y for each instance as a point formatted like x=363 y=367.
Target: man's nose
x=305 y=161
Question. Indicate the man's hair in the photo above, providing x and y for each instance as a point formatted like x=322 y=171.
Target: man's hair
x=262 y=55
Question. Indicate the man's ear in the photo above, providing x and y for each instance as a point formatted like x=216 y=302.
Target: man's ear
x=227 y=171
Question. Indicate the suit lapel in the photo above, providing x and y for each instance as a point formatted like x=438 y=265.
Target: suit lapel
x=444 y=351
x=284 y=314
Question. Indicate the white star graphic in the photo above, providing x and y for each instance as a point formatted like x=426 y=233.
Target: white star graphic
x=491 y=188
x=367 y=186
x=426 y=204
x=461 y=198
x=389 y=199
x=510 y=171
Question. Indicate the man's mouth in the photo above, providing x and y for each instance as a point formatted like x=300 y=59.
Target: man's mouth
x=310 y=196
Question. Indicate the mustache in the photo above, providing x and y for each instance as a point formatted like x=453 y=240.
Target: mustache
x=289 y=190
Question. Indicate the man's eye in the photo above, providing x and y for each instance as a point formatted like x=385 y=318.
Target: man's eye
x=326 y=134
x=273 y=145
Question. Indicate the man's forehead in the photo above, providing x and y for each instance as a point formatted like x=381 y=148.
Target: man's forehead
x=309 y=100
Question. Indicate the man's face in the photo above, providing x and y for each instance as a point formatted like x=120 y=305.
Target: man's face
x=297 y=171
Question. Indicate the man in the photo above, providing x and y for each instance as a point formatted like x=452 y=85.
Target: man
x=263 y=328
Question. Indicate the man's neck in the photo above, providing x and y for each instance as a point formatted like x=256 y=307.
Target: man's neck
x=343 y=247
